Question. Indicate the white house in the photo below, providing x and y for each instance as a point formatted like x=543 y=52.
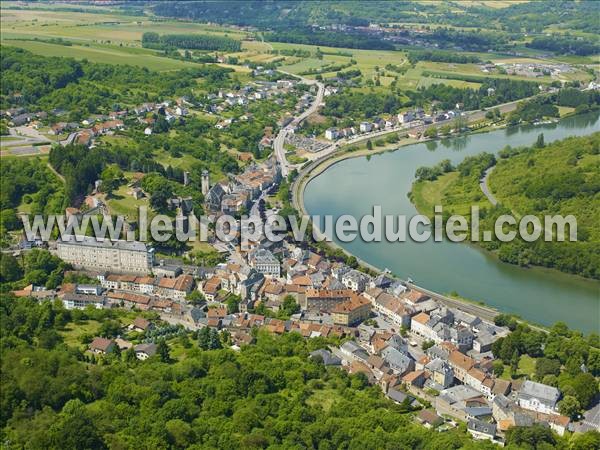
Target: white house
x=331 y=134
x=365 y=127
x=538 y=397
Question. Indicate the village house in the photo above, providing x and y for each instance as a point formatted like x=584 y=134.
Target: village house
x=429 y=419
x=441 y=373
x=102 y=346
x=175 y=288
x=391 y=307
x=461 y=364
x=82 y=301
x=481 y=430
x=538 y=397
x=399 y=362
x=130 y=300
x=325 y=299
x=140 y=324
x=351 y=311
x=145 y=351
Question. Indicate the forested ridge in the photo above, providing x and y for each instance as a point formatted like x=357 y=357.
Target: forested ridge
x=55 y=396
x=559 y=178
x=83 y=88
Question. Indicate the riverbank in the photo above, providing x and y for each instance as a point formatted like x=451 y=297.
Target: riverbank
x=317 y=167
x=388 y=179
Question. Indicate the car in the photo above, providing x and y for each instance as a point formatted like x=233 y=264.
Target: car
x=413 y=343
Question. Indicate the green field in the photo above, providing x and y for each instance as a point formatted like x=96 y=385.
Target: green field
x=109 y=55
x=123 y=203
x=73 y=333
x=447 y=190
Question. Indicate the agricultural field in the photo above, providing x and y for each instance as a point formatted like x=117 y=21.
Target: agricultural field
x=366 y=60
x=103 y=38
x=103 y=54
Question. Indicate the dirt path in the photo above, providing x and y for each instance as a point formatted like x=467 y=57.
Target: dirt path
x=483 y=184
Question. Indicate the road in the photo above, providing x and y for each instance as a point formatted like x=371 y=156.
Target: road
x=483 y=184
x=280 y=138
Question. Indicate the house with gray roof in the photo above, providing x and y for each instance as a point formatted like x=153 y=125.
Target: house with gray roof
x=481 y=430
x=354 y=351
x=145 y=351
x=264 y=262
x=538 y=397
x=355 y=280
x=328 y=358
x=397 y=361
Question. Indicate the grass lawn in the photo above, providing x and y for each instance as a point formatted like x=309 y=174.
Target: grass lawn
x=366 y=60
x=426 y=195
x=122 y=203
x=564 y=110
x=527 y=366
x=184 y=162
x=73 y=333
x=324 y=398
x=429 y=81
x=526 y=369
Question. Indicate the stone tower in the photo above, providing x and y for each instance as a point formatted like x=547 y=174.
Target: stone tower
x=186 y=178
x=205 y=182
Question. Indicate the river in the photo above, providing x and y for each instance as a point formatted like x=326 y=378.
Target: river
x=543 y=296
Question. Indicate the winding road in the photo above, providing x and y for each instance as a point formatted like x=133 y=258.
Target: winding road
x=280 y=139
x=483 y=184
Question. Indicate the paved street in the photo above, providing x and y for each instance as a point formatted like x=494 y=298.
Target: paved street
x=280 y=139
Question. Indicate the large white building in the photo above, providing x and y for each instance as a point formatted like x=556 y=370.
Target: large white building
x=89 y=253
x=265 y=262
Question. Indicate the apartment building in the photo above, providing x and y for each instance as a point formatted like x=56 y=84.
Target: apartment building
x=89 y=253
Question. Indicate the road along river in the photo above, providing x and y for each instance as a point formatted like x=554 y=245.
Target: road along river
x=353 y=186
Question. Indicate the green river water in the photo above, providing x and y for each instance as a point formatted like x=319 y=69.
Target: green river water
x=354 y=185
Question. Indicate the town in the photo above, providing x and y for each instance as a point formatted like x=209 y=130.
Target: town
x=124 y=116
x=417 y=349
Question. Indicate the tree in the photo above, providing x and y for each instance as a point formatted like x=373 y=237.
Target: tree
x=514 y=363
x=129 y=356
x=10 y=270
x=427 y=345
x=593 y=363
x=214 y=341
x=74 y=428
x=233 y=304
x=158 y=199
x=163 y=351
x=204 y=338
x=585 y=387
x=430 y=132
x=180 y=433
x=498 y=368
x=589 y=440
x=546 y=366
x=539 y=143
x=569 y=406
x=369 y=144
x=289 y=306
x=530 y=436
x=112 y=177
x=195 y=297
